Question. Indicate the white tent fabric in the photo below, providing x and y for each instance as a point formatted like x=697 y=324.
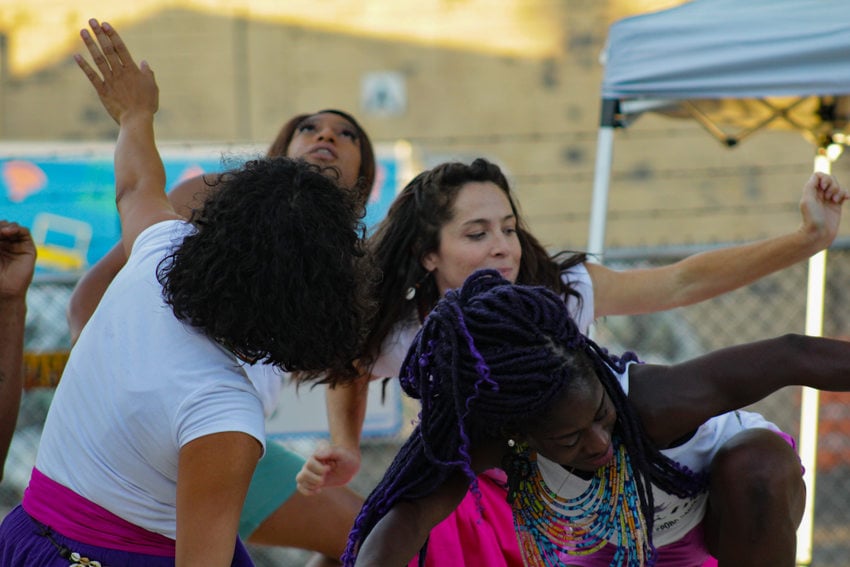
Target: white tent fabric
x=722 y=50
x=731 y=49
x=750 y=52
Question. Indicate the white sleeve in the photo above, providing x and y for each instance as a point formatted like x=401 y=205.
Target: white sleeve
x=578 y=278
x=394 y=349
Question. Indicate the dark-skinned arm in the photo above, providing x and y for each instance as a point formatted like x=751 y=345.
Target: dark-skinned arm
x=17 y=264
x=402 y=532
x=674 y=400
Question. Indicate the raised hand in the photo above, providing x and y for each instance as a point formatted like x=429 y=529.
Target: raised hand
x=821 y=205
x=17 y=260
x=130 y=96
x=121 y=85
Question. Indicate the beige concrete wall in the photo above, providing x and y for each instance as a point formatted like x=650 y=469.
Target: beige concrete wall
x=235 y=80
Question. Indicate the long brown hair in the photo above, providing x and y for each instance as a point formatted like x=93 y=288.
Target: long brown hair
x=411 y=230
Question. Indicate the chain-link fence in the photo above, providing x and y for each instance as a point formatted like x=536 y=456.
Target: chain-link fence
x=773 y=306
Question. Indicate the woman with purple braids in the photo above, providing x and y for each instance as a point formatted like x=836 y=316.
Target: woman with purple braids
x=606 y=458
x=457 y=218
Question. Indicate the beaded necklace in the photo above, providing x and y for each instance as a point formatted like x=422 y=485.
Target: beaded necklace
x=550 y=527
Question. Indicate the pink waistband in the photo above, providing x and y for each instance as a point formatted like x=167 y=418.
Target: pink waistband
x=82 y=520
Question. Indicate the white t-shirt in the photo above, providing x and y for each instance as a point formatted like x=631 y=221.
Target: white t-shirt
x=674 y=516
x=139 y=385
x=398 y=341
x=268 y=380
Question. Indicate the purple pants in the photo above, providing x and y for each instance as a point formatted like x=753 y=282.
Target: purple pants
x=22 y=542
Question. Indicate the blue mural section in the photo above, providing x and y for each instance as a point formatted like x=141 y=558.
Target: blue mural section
x=68 y=201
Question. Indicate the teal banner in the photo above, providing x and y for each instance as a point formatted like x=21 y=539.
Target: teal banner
x=68 y=200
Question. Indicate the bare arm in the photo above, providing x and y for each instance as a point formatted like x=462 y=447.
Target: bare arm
x=91 y=287
x=346 y=406
x=400 y=534
x=17 y=263
x=674 y=400
x=186 y=196
x=129 y=94
x=212 y=480
x=708 y=274
x=337 y=463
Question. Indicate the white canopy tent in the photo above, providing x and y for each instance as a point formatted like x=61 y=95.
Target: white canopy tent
x=749 y=65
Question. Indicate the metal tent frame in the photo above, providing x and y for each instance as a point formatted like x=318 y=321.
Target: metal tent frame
x=789 y=58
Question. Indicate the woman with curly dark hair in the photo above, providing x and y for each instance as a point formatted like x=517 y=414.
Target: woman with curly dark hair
x=268 y=271
x=330 y=138
x=156 y=427
x=274 y=513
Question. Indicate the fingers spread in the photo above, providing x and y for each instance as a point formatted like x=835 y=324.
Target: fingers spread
x=106 y=46
x=96 y=53
x=107 y=49
x=90 y=73
x=120 y=49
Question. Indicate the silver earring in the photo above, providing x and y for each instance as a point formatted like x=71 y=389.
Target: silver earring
x=410 y=293
x=511 y=443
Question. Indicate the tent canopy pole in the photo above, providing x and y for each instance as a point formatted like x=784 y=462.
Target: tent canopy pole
x=602 y=179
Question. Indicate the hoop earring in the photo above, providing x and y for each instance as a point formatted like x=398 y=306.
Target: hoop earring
x=410 y=293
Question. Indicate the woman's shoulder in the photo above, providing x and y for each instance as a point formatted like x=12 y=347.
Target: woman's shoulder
x=162 y=234
x=394 y=348
x=581 y=302
x=576 y=274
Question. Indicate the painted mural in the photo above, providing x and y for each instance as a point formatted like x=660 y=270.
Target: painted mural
x=67 y=200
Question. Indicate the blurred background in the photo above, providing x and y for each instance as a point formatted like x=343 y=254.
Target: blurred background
x=516 y=81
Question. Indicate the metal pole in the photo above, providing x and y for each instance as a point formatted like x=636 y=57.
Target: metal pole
x=601 y=180
x=810 y=400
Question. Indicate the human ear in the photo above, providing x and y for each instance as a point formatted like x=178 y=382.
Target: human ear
x=429 y=261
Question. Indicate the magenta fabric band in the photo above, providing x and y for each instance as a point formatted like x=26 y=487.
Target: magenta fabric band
x=79 y=519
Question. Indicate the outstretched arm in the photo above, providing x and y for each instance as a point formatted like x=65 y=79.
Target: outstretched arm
x=708 y=274
x=17 y=263
x=674 y=400
x=186 y=196
x=130 y=96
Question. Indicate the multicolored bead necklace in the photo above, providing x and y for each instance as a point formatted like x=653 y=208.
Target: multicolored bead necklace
x=550 y=527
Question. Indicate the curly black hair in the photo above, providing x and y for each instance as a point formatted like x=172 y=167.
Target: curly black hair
x=274 y=269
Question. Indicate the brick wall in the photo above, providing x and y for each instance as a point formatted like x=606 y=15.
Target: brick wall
x=233 y=77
